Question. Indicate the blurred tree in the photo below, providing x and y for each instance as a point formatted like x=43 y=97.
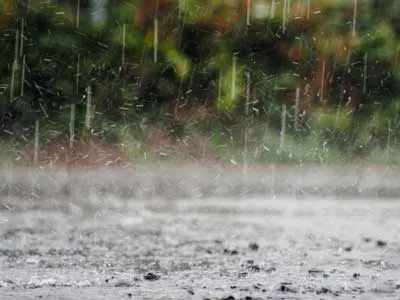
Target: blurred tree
x=338 y=53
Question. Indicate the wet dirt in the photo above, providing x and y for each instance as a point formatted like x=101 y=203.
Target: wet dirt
x=276 y=246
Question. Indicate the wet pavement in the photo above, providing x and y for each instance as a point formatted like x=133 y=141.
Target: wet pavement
x=276 y=246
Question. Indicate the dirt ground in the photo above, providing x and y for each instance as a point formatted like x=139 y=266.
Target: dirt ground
x=94 y=153
x=165 y=234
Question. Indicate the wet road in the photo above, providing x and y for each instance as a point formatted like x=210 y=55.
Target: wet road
x=214 y=248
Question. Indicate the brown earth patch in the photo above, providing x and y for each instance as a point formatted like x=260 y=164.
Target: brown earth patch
x=192 y=148
x=90 y=152
x=93 y=152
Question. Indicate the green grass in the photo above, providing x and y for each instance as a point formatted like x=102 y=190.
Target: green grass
x=225 y=142
x=9 y=152
x=264 y=147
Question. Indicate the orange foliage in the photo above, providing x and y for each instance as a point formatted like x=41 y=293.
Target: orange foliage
x=243 y=6
x=147 y=10
x=7 y=13
x=341 y=46
x=224 y=17
x=296 y=53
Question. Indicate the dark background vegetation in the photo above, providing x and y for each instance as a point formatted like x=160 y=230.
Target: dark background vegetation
x=218 y=73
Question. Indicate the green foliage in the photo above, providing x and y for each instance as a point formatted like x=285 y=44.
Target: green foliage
x=357 y=72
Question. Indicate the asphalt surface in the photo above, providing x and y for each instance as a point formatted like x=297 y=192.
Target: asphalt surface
x=237 y=245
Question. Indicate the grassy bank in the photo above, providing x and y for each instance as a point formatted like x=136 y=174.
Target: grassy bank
x=210 y=139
